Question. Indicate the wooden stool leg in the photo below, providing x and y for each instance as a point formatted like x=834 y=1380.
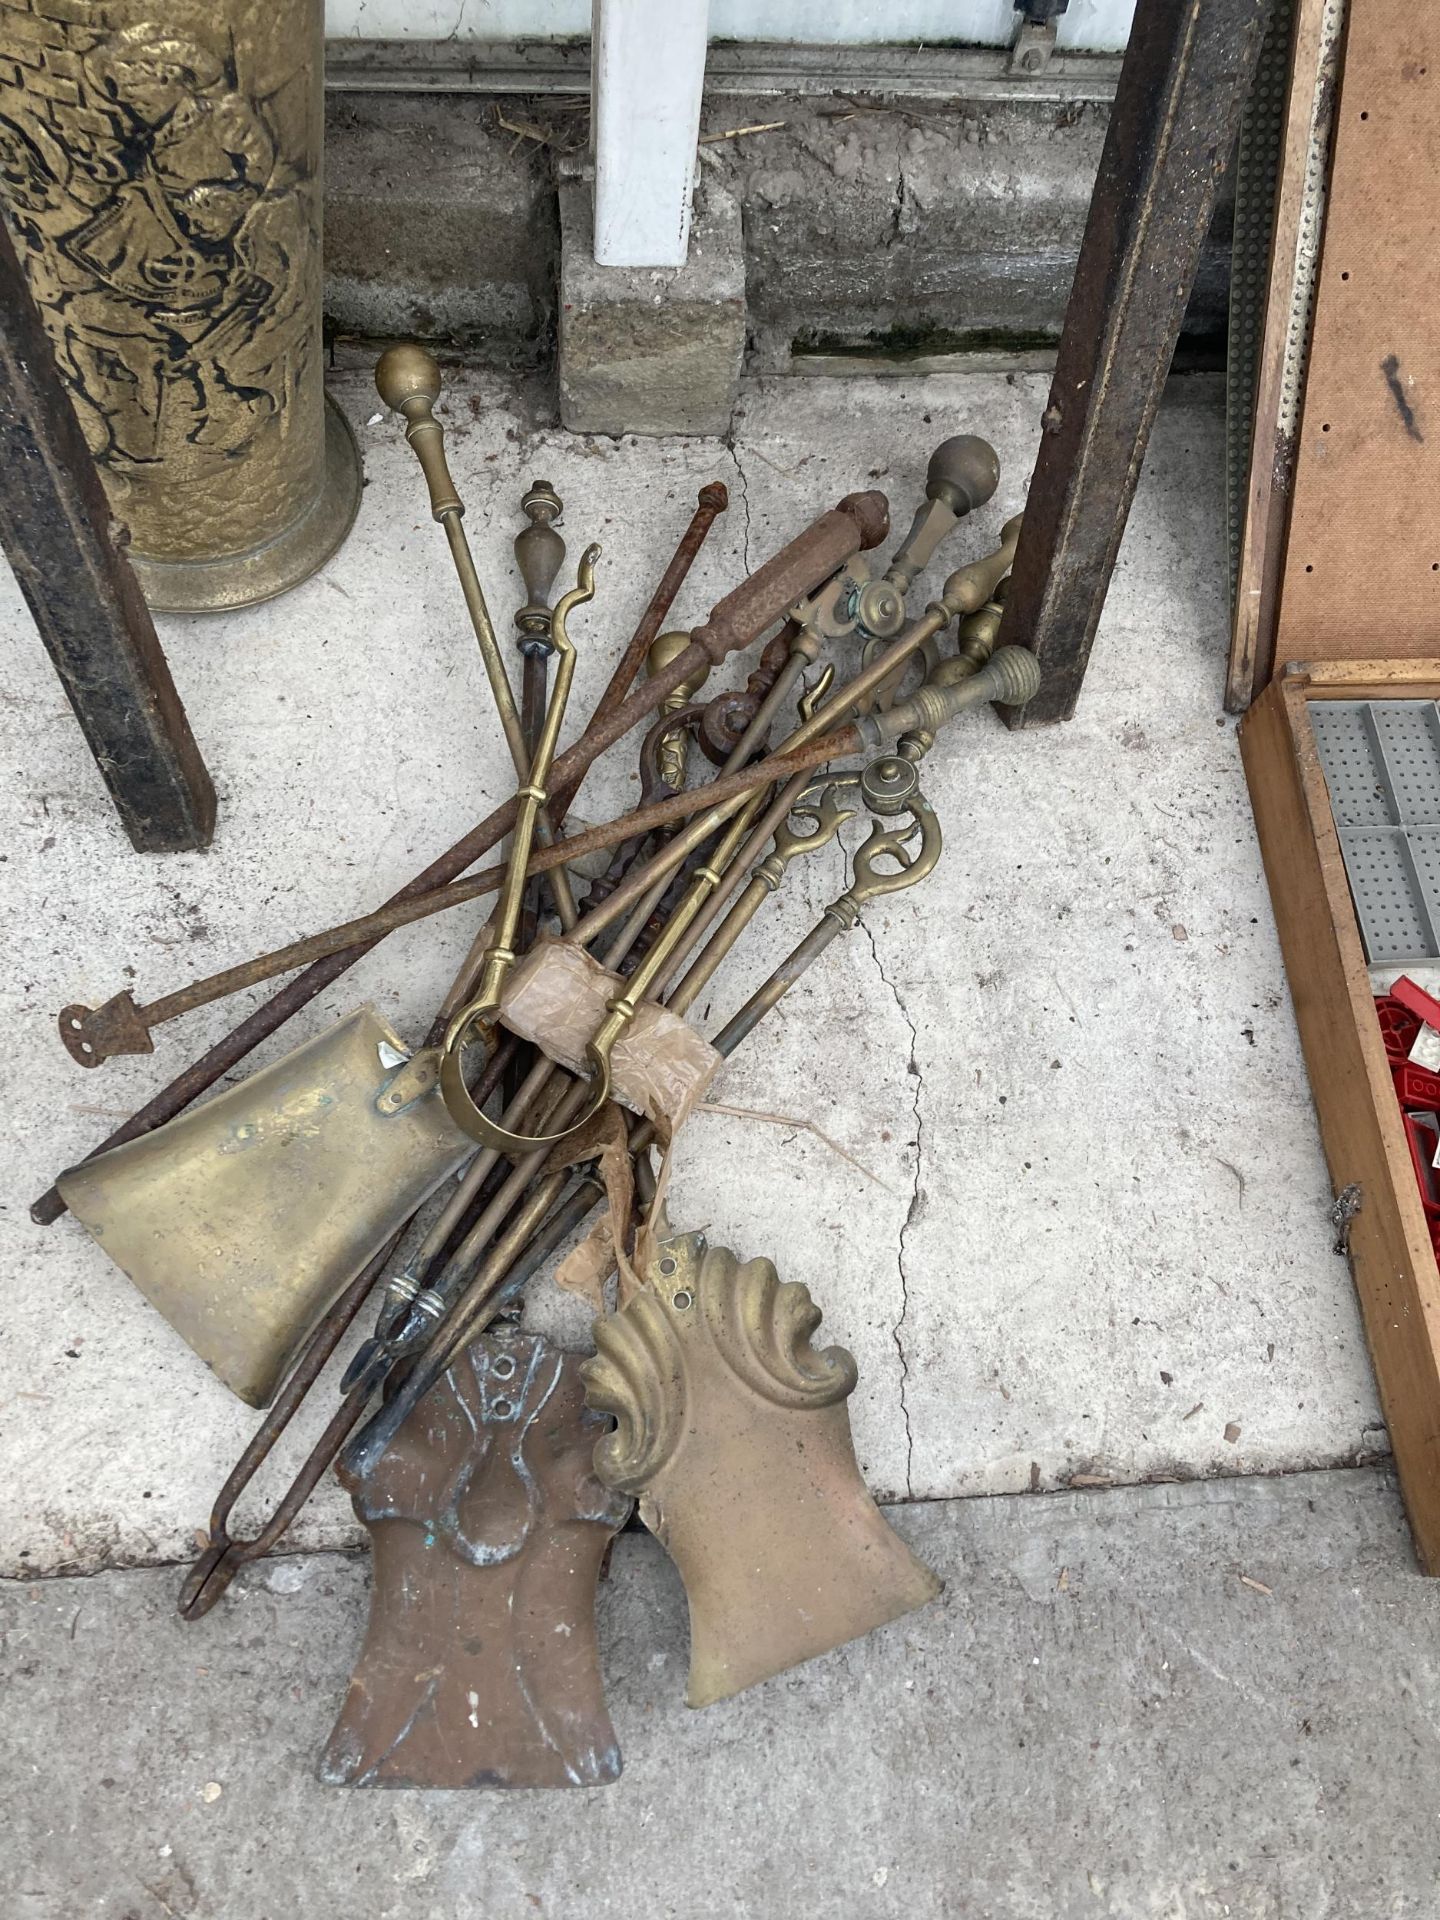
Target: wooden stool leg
x=1172 y=129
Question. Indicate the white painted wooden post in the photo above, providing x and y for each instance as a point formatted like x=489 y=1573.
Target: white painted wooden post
x=647 y=71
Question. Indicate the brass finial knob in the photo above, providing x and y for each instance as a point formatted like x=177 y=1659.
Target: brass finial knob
x=964 y=472
x=539 y=554
x=408 y=380
x=407 y=373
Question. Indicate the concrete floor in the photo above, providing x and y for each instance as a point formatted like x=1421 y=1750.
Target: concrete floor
x=1179 y=1702
x=1093 y=1246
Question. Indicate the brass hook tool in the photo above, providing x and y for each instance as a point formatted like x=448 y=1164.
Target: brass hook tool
x=477 y=1017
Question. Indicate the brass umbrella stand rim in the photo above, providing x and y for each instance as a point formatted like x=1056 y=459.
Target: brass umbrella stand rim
x=250 y=578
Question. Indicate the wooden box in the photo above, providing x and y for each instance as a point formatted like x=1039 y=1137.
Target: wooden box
x=1391 y=1255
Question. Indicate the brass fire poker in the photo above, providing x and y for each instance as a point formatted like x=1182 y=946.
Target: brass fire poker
x=408 y=380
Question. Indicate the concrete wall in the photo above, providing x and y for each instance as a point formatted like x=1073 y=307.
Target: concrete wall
x=903 y=226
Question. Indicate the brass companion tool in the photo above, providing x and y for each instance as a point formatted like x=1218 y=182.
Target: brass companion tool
x=242 y=1220
x=407 y=379
x=488 y=1528
x=732 y=1431
x=476 y=1019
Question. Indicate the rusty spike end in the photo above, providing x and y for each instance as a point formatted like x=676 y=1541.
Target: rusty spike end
x=92 y=1035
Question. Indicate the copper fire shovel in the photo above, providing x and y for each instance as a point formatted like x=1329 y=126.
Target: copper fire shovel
x=480 y=1666
x=733 y=1434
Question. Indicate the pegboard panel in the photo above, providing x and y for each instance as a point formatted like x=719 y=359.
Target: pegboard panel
x=1381 y=760
x=1389 y=902
x=1362 y=562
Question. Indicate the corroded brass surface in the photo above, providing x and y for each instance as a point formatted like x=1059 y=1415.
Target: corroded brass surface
x=162 y=171
x=488 y=1527
x=244 y=1219
x=671 y=755
x=733 y=1432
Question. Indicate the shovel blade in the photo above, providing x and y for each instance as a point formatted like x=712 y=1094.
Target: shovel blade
x=480 y=1666
x=242 y=1220
x=734 y=1433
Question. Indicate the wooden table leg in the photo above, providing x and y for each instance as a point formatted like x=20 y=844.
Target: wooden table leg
x=55 y=528
x=1172 y=130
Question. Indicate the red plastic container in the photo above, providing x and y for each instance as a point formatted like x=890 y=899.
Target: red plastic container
x=1398 y=1025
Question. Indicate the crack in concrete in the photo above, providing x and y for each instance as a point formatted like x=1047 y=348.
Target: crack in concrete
x=912 y=1067
x=743 y=481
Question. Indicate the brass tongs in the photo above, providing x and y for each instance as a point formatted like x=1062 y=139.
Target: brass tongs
x=476 y=1020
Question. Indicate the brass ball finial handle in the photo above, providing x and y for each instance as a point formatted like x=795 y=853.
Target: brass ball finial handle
x=964 y=472
x=405 y=373
x=408 y=380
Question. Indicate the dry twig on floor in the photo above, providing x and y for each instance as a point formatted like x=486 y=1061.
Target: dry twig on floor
x=739 y=133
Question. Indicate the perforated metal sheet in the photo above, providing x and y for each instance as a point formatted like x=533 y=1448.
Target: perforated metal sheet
x=1382 y=768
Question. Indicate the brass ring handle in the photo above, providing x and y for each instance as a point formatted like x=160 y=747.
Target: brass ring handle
x=468 y=1117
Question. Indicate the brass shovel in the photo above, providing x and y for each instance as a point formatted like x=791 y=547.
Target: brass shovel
x=733 y=1432
x=480 y=1666
x=243 y=1219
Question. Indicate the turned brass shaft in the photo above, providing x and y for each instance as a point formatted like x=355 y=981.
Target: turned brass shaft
x=408 y=380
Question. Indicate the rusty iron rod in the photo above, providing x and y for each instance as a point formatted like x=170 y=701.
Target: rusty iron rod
x=353 y=936
x=860 y=520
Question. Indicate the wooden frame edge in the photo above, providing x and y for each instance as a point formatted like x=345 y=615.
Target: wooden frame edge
x=1392 y=1261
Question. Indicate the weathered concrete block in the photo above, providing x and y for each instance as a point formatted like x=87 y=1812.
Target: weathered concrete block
x=437 y=225
x=922 y=227
x=652 y=350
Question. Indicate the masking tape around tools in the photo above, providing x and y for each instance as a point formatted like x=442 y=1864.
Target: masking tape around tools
x=558 y=997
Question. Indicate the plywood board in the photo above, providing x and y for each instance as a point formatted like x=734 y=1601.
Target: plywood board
x=1362 y=562
x=1395 y=1271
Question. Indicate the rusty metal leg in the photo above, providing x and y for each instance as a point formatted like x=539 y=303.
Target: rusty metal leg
x=1172 y=130
x=55 y=528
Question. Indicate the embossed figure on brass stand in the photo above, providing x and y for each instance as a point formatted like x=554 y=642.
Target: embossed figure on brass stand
x=162 y=172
